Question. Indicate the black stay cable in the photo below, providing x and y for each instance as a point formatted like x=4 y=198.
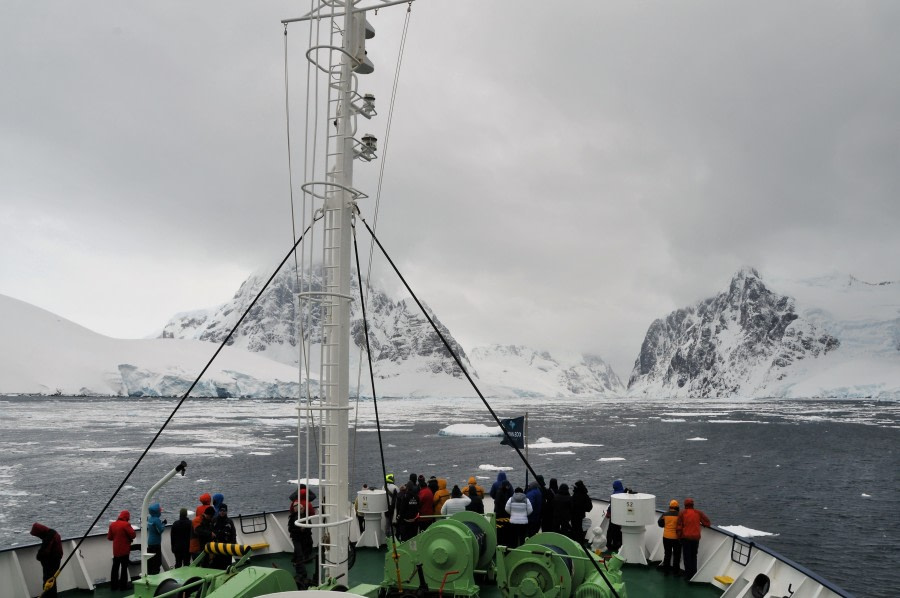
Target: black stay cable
x=450 y=350
x=474 y=386
x=175 y=410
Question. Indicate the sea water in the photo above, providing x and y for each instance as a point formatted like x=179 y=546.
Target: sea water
x=821 y=476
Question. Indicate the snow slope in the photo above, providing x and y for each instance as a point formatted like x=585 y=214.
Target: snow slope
x=42 y=353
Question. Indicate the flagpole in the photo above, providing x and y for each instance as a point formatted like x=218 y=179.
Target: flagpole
x=525 y=440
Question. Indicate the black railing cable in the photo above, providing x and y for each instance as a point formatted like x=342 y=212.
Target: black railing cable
x=177 y=407
x=475 y=386
x=390 y=496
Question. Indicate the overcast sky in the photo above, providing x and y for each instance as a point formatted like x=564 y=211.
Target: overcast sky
x=559 y=174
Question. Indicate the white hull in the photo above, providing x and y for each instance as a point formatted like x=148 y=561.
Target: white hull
x=21 y=572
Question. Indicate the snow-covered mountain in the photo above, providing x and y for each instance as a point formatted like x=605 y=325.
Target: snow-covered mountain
x=42 y=353
x=834 y=336
x=409 y=357
x=532 y=373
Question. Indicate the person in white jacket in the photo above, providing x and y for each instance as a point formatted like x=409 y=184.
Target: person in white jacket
x=519 y=508
x=456 y=503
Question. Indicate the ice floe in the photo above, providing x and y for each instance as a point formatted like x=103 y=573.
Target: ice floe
x=487 y=467
x=470 y=430
x=697 y=438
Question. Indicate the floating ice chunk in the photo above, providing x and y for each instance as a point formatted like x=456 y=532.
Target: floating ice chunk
x=696 y=438
x=673 y=420
x=546 y=443
x=744 y=532
x=260 y=453
x=470 y=430
x=487 y=467
x=611 y=459
x=864 y=495
x=558 y=453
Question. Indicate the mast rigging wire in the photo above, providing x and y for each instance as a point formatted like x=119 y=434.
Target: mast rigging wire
x=178 y=405
x=475 y=387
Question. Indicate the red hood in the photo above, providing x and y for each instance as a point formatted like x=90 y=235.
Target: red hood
x=124 y=516
x=38 y=529
x=205 y=499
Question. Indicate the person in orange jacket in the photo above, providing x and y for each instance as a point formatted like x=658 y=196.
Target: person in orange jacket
x=478 y=489
x=441 y=496
x=688 y=527
x=671 y=544
x=120 y=534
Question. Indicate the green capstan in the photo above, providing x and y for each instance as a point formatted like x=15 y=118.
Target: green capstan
x=444 y=558
x=551 y=565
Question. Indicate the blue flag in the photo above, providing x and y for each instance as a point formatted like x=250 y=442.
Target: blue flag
x=515 y=427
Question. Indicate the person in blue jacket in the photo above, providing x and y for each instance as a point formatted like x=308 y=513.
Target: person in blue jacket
x=155 y=527
x=536 y=498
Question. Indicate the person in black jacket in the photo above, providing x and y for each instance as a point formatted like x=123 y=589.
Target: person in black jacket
x=181 y=539
x=581 y=506
x=223 y=528
x=476 y=505
x=562 y=511
x=49 y=555
x=408 y=511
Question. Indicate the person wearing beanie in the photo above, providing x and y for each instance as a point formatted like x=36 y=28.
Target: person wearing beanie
x=49 y=555
x=155 y=528
x=120 y=534
x=689 y=523
x=391 y=491
x=671 y=544
x=224 y=531
x=581 y=506
x=457 y=503
x=181 y=539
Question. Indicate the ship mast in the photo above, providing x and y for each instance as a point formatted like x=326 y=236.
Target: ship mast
x=338 y=197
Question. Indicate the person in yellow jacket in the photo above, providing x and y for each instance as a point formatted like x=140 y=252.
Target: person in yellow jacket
x=441 y=496
x=478 y=489
x=671 y=543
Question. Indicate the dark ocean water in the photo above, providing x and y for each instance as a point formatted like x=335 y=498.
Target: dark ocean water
x=822 y=475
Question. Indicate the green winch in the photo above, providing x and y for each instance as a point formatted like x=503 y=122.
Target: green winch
x=236 y=581
x=551 y=565
x=445 y=557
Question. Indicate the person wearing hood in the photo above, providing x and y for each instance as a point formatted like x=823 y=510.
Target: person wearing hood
x=688 y=528
x=476 y=505
x=120 y=534
x=501 y=516
x=301 y=537
x=581 y=506
x=205 y=501
x=224 y=531
x=614 y=532
x=457 y=503
x=479 y=489
x=536 y=498
x=495 y=487
x=217 y=499
x=426 y=504
x=203 y=534
x=562 y=511
x=49 y=555
x=519 y=508
x=671 y=544
x=441 y=496
x=155 y=528
x=180 y=539
x=391 y=491
x=547 y=520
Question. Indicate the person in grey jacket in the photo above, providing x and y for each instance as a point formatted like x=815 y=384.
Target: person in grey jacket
x=519 y=508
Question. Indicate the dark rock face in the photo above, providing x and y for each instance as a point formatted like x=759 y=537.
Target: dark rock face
x=397 y=332
x=727 y=344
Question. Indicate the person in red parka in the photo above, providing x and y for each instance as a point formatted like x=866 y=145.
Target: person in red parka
x=121 y=534
x=49 y=554
x=688 y=528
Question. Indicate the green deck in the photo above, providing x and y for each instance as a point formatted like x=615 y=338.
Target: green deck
x=640 y=582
